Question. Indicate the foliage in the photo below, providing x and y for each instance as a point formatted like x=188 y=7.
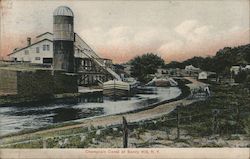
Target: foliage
x=221 y=62
x=247 y=56
x=143 y=66
x=175 y=64
x=241 y=77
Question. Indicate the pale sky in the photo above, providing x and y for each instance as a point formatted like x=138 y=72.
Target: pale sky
x=121 y=30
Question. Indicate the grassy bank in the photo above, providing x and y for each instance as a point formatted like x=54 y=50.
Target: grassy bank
x=225 y=113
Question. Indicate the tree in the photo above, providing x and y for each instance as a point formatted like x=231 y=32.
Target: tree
x=241 y=77
x=144 y=65
x=222 y=61
x=175 y=64
x=247 y=56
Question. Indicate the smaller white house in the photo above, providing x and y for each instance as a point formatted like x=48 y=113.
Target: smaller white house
x=191 y=70
x=247 y=67
x=160 y=72
x=203 y=75
x=235 y=70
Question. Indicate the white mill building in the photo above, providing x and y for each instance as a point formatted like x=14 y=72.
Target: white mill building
x=87 y=63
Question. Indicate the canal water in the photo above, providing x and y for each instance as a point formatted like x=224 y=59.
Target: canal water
x=28 y=117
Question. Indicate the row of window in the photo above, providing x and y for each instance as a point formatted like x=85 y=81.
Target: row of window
x=22 y=59
x=45 y=48
x=45 y=60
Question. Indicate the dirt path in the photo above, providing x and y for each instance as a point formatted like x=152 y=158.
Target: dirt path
x=155 y=112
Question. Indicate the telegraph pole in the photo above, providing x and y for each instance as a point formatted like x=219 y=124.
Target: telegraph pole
x=125 y=132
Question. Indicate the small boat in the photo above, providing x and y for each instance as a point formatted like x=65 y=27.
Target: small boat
x=115 y=88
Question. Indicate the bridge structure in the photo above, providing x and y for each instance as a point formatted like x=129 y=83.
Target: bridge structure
x=90 y=67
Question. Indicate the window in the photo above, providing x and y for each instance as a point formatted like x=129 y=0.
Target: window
x=44 y=47
x=37 y=50
x=37 y=58
x=26 y=52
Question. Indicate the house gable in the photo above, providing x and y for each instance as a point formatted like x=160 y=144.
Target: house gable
x=16 y=51
x=34 y=53
x=46 y=35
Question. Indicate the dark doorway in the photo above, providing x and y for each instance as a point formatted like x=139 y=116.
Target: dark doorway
x=47 y=60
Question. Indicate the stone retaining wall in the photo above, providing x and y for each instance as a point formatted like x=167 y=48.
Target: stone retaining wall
x=65 y=82
x=34 y=83
x=8 y=82
x=37 y=82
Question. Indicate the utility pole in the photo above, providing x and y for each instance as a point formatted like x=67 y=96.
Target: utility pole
x=125 y=132
x=114 y=90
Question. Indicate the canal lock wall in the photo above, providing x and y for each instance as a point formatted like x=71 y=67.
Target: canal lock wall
x=36 y=83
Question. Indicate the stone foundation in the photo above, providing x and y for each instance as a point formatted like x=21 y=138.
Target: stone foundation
x=37 y=82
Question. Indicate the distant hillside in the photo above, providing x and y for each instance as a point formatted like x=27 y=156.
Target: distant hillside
x=219 y=63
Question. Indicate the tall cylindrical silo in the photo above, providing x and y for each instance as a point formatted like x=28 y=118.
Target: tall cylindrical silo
x=63 y=39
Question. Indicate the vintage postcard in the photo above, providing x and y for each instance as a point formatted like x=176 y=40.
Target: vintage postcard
x=125 y=79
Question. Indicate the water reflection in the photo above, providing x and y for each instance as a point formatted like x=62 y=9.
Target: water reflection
x=66 y=114
x=94 y=98
x=36 y=115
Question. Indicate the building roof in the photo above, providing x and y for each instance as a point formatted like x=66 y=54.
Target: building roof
x=83 y=45
x=43 y=34
x=203 y=72
x=247 y=66
x=63 y=11
x=235 y=67
x=29 y=46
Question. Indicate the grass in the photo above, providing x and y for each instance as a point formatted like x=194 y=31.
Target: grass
x=77 y=130
x=228 y=101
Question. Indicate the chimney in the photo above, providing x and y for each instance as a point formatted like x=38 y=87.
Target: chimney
x=28 y=41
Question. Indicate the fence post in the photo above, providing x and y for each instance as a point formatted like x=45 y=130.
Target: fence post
x=178 y=122
x=238 y=119
x=190 y=118
x=125 y=132
x=215 y=120
x=44 y=143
